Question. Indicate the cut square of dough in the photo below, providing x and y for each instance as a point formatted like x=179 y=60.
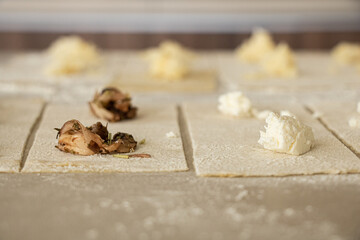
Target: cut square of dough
x=317 y=73
x=195 y=82
x=17 y=118
x=33 y=79
x=134 y=77
x=33 y=65
x=227 y=147
x=152 y=124
x=335 y=114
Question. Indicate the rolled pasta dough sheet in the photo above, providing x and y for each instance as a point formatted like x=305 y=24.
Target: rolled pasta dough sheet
x=17 y=117
x=24 y=73
x=228 y=147
x=317 y=73
x=135 y=77
x=195 y=82
x=152 y=124
x=335 y=114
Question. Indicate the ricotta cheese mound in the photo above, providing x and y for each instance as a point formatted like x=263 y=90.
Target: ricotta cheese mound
x=261 y=114
x=71 y=54
x=235 y=104
x=170 y=61
x=354 y=122
x=280 y=62
x=256 y=47
x=346 y=53
x=265 y=113
x=287 y=113
x=286 y=134
x=171 y=134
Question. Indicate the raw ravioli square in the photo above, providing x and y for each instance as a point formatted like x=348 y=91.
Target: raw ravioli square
x=195 y=82
x=317 y=73
x=17 y=117
x=228 y=147
x=33 y=79
x=152 y=124
x=134 y=77
x=335 y=114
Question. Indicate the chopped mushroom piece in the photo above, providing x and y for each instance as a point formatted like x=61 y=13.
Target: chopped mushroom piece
x=75 y=138
x=112 y=105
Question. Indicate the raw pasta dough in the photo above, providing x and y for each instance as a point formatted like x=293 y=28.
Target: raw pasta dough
x=17 y=117
x=141 y=82
x=134 y=77
x=23 y=72
x=336 y=114
x=317 y=72
x=227 y=147
x=152 y=124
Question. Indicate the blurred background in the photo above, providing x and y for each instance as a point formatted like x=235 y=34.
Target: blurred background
x=201 y=24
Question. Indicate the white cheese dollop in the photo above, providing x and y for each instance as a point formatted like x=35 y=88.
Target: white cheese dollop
x=354 y=122
x=261 y=114
x=235 y=104
x=280 y=62
x=286 y=134
x=170 y=61
x=256 y=47
x=265 y=113
x=71 y=54
x=171 y=135
x=287 y=113
x=346 y=53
